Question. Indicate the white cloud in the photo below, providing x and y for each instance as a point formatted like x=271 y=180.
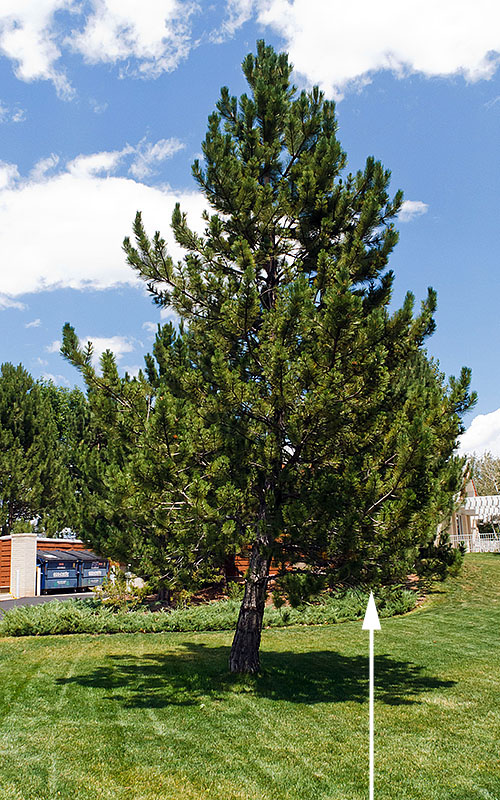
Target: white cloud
x=34 y=324
x=150 y=327
x=237 y=13
x=8 y=114
x=8 y=175
x=144 y=157
x=148 y=155
x=8 y=302
x=411 y=209
x=168 y=315
x=151 y=37
x=119 y=345
x=65 y=230
x=156 y=33
x=493 y=102
x=483 y=435
x=98 y=108
x=133 y=371
x=337 y=44
x=332 y=43
x=43 y=166
x=28 y=36
x=59 y=380
x=97 y=163
x=18 y=115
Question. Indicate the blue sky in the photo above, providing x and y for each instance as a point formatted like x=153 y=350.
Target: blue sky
x=104 y=104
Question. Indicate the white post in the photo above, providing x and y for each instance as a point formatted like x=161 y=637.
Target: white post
x=372 y=682
x=38 y=588
x=371 y=623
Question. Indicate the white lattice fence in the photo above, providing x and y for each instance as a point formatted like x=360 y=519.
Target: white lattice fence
x=476 y=544
x=485 y=544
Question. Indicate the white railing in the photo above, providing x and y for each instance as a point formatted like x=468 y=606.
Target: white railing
x=485 y=543
x=487 y=546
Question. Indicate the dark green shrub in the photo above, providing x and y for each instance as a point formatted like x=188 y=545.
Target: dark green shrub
x=297 y=588
x=438 y=559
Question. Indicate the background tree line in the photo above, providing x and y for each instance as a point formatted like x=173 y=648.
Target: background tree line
x=41 y=427
x=485 y=472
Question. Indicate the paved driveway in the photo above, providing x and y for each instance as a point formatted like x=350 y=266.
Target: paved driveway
x=44 y=598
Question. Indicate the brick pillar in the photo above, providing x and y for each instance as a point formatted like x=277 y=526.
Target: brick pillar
x=23 y=559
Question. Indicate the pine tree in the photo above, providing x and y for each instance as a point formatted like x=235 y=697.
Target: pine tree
x=295 y=416
x=36 y=421
x=138 y=455
x=107 y=438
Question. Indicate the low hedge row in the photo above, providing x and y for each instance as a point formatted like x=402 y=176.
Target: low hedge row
x=82 y=616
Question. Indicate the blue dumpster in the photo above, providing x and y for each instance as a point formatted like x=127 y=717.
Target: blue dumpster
x=59 y=570
x=91 y=568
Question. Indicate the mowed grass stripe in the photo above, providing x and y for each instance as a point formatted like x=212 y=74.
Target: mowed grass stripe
x=157 y=716
x=59 y=725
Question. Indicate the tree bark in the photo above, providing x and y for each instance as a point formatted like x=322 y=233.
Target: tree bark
x=244 y=656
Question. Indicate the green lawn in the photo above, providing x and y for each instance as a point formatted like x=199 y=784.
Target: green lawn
x=150 y=716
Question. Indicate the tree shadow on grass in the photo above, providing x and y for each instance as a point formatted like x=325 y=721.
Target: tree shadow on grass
x=157 y=680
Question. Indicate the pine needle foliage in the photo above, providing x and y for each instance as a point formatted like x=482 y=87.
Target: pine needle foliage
x=296 y=417
x=40 y=429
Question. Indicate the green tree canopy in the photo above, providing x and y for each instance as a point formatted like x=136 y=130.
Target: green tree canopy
x=38 y=438
x=293 y=415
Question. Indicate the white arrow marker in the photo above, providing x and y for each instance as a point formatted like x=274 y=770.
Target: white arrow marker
x=371 y=623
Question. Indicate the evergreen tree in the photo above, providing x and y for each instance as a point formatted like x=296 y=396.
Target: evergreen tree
x=35 y=481
x=113 y=425
x=294 y=415
x=68 y=412
x=132 y=472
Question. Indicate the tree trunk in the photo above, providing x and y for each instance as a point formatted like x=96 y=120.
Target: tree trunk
x=245 y=649
x=164 y=595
